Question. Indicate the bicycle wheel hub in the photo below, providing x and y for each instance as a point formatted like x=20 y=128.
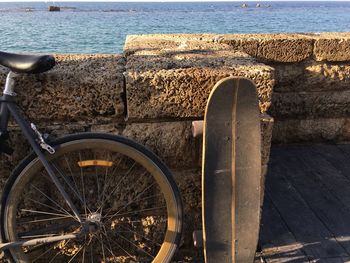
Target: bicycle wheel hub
x=94 y=217
x=93 y=222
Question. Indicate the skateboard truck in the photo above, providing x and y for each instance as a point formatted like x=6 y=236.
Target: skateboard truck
x=197 y=128
x=197 y=236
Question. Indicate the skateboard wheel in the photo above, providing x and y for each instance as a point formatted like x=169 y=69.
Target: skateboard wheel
x=198 y=238
x=197 y=128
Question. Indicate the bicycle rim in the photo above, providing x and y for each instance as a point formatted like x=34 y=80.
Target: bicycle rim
x=123 y=189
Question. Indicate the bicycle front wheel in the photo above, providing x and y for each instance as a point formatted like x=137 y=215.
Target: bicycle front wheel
x=123 y=189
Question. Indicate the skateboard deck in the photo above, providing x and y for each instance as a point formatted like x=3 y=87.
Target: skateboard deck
x=231 y=172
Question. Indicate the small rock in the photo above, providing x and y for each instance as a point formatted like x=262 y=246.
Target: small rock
x=53 y=8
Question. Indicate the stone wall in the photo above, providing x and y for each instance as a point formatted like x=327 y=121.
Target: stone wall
x=153 y=91
x=309 y=73
x=310 y=101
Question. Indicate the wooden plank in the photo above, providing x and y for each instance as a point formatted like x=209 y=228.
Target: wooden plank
x=318 y=241
x=277 y=242
x=316 y=194
x=335 y=155
x=334 y=260
x=344 y=148
x=333 y=165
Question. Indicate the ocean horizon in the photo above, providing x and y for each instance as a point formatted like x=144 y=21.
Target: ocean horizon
x=101 y=27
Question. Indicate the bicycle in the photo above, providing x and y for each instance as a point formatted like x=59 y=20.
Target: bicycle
x=84 y=197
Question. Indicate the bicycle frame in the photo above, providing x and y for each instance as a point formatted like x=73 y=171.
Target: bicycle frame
x=9 y=107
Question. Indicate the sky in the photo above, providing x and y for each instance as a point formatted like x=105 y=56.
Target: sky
x=242 y=1
x=167 y=0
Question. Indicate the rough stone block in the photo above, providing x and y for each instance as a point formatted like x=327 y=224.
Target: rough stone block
x=21 y=147
x=190 y=186
x=303 y=77
x=311 y=130
x=171 y=141
x=310 y=105
x=332 y=47
x=272 y=47
x=266 y=124
x=79 y=87
x=176 y=84
x=171 y=42
x=246 y=43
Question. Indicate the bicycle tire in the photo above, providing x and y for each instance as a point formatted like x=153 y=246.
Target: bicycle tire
x=22 y=200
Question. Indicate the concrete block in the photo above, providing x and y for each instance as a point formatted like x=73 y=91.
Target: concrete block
x=79 y=87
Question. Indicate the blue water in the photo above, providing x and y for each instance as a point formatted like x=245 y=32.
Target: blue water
x=102 y=27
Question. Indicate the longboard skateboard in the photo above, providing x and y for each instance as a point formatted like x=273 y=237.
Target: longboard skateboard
x=231 y=172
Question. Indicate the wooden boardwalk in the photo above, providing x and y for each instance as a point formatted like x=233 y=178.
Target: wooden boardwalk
x=306 y=213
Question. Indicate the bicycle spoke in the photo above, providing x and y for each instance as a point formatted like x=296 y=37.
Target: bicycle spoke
x=44 y=220
x=112 y=192
x=71 y=172
x=83 y=186
x=135 y=212
x=109 y=180
x=68 y=183
x=46 y=213
x=132 y=201
x=63 y=210
x=121 y=197
x=129 y=230
x=138 y=248
x=41 y=255
x=109 y=244
x=48 y=206
x=115 y=242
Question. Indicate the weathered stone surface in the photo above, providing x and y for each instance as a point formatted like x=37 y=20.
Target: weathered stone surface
x=311 y=77
x=171 y=141
x=177 y=84
x=189 y=184
x=310 y=105
x=79 y=87
x=171 y=42
x=272 y=47
x=332 y=47
x=311 y=130
x=21 y=147
x=246 y=43
x=266 y=124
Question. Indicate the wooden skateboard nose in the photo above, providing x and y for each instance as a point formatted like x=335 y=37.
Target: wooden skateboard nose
x=231 y=172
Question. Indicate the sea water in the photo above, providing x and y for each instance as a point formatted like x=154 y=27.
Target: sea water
x=85 y=27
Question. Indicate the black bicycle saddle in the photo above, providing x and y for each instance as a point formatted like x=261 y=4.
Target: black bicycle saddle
x=30 y=64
